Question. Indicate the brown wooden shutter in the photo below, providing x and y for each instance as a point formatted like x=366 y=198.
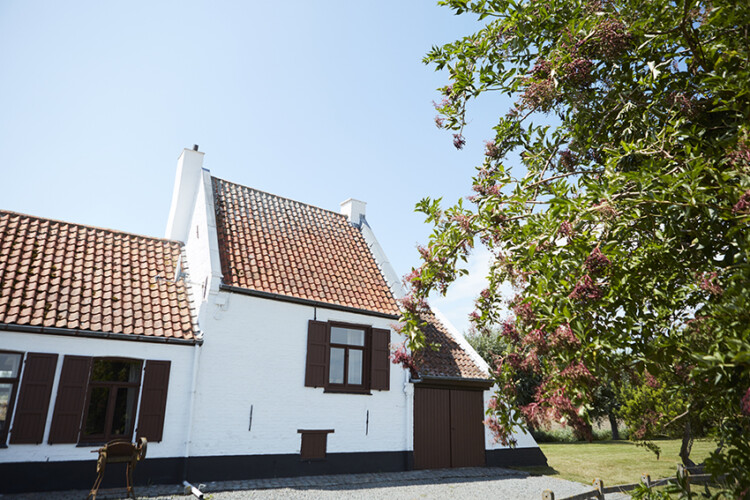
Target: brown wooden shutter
x=316 y=369
x=33 y=399
x=381 y=363
x=71 y=396
x=154 y=400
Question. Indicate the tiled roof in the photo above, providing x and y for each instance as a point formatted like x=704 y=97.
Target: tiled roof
x=451 y=360
x=276 y=245
x=62 y=275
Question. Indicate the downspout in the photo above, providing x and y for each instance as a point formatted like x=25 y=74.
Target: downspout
x=191 y=408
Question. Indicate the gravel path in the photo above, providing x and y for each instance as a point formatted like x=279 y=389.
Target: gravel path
x=449 y=484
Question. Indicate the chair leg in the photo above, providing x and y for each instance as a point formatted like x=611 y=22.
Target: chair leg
x=97 y=483
x=129 y=476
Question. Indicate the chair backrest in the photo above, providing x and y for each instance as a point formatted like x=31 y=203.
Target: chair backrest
x=120 y=451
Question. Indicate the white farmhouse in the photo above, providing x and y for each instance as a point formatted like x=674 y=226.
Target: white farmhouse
x=252 y=342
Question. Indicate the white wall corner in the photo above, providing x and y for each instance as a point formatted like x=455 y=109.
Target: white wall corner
x=390 y=275
x=213 y=236
x=187 y=180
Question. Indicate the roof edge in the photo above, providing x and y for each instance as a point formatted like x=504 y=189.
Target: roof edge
x=308 y=302
x=484 y=383
x=69 y=332
x=339 y=214
x=88 y=226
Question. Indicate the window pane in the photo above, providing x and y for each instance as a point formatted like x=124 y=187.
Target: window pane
x=355 y=367
x=336 y=372
x=124 y=406
x=5 y=392
x=350 y=336
x=115 y=371
x=97 y=412
x=9 y=365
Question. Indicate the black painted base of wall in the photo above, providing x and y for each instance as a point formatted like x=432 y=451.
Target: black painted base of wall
x=515 y=457
x=80 y=475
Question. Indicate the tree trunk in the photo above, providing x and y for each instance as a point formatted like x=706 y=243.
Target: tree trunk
x=613 y=424
x=687 y=444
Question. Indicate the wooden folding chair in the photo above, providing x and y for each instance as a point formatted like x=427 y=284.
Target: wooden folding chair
x=118 y=452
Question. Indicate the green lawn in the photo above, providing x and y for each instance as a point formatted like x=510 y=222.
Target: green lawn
x=615 y=462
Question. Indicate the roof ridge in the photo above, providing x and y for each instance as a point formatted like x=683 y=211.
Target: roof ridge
x=278 y=196
x=88 y=226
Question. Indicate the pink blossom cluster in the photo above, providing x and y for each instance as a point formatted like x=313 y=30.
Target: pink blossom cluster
x=508 y=330
x=609 y=40
x=536 y=339
x=578 y=72
x=649 y=420
x=474 y=317
x=413 y=304
x=501 y=434
x=438 y=265
x=555 y=406
x=578 y=373
x=586 y=290
x=413 y=279
x=524 y=311
x=439 y=121
x=512 y=359
x=493 y=404
x=491 y=150
x=566 y=229
x=651 y=381
x=539 y=94
x=463 y=220
x=683 y=371
x=567 y=160
x=743 y=205
x=745 y=403
x=401 y=356
x=605 y=209
x=531 y=363
x=564 y=337
x=442 y=104
x=542 y=68
x=709 y=284
x=459 y=141
x=597 y=262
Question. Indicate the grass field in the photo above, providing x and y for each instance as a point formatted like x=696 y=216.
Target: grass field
x=615 y=462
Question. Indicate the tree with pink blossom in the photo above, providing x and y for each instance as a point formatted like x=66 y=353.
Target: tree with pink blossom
x=624 y=228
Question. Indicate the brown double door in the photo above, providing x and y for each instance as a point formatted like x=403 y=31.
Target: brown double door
x=448 y=428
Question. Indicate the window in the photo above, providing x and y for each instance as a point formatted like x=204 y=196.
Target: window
x=347 y=358
x=111 y=401
x=10 y=364
x=97 y=400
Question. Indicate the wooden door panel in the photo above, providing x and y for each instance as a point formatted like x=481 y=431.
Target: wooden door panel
x=432 y=443
x=467 y=428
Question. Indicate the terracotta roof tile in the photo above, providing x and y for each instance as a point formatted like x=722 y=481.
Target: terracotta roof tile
x=273 y=244
x=450 y=360
x=63 y=275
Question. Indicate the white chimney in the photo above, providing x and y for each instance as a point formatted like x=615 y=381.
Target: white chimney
x=354 y=211
x=186 y=183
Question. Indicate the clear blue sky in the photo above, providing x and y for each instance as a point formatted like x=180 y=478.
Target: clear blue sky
x=315 y=101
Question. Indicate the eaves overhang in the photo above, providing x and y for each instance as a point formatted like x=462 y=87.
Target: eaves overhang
x=69 y=332
x=303 y=301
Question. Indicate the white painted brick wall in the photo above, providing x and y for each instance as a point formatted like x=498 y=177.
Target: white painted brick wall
x=255 y=354
x=181 y=357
